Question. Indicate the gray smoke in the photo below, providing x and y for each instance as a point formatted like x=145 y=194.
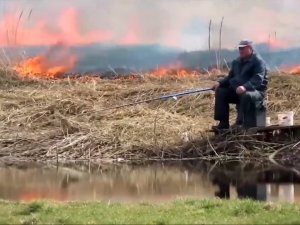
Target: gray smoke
x=180 y=23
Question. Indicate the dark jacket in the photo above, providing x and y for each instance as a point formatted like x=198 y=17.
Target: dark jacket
x=251 y=73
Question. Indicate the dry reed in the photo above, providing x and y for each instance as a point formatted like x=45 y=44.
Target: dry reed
x=64 y=119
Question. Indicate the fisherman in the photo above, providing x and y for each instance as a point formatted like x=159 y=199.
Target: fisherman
x=245 y=84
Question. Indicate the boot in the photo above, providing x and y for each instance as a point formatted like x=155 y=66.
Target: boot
x=223 y=125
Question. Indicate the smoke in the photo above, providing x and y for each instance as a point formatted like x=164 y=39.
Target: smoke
x=176 y=23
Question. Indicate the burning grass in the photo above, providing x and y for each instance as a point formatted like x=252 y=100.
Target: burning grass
x=66 y=119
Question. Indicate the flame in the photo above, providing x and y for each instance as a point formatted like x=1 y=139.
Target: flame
x=176 y=70
x=278 y=44
x=50 y=65
x=295 y=70
x=131 y=37
x=27 y=29
x=291 y=69
x=178 y=73
x=173 y=70
x=273 y=42
x=66 y=28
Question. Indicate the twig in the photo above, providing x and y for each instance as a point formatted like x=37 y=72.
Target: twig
x=212 y=148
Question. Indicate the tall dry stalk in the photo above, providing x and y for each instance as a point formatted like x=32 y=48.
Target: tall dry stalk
x=220 y=44
x=17 y=26
x=14 y=55
x=217 y=58
x=226 y=64
x=209 y=34
x=29 y=14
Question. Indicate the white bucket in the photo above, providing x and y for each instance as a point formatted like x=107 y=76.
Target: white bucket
x=286 y=118
x=268 y=121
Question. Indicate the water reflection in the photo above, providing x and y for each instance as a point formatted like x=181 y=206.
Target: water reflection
x=271 y=185
x=150 y=183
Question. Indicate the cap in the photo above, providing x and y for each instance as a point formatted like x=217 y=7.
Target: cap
x=244 y=43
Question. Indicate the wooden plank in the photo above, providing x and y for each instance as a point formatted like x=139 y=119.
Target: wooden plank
x=272 y=128
x=255 y=130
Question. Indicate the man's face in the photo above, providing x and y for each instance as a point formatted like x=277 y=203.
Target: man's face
x=245 y=52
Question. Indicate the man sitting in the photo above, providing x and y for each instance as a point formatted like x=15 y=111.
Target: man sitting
x=246 y=84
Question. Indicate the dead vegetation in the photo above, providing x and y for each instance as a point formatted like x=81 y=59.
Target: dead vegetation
x=66 y=119
x=246 y=147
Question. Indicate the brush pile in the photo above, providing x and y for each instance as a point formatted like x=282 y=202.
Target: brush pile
x=66 y=119
x=245 y=147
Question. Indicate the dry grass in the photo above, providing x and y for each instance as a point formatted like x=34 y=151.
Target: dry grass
x=64 y=119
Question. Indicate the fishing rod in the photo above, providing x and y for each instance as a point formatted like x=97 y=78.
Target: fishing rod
x=164 y=97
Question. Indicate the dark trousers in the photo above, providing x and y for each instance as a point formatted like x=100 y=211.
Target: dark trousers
x=225 y=96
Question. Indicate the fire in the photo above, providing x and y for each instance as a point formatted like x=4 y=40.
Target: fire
x=131 y=37
x=291 y=69
x=50 y=65
x=294 y=70
x=178 y=71
x=273 y=42
x=40 y=32
x=174 y=70
x=277 y=44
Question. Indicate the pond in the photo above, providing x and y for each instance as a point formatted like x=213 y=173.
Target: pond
x=155 y=182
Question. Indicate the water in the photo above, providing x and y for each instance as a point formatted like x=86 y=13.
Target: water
x=148 y=183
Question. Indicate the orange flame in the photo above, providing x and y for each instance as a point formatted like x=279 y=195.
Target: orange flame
x=47 y=66
x=177 y=71
x=173 y=70
x=42 y=33
x=295 y=70
x=272 y=42
x=291 y=69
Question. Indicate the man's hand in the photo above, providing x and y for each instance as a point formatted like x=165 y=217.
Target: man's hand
x=216 y=86
x=240 y=90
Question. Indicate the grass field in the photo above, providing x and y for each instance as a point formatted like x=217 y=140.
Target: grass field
x=178 y=212
x=66 y=119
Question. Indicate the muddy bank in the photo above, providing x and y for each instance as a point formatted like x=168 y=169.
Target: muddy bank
x=64 y=119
